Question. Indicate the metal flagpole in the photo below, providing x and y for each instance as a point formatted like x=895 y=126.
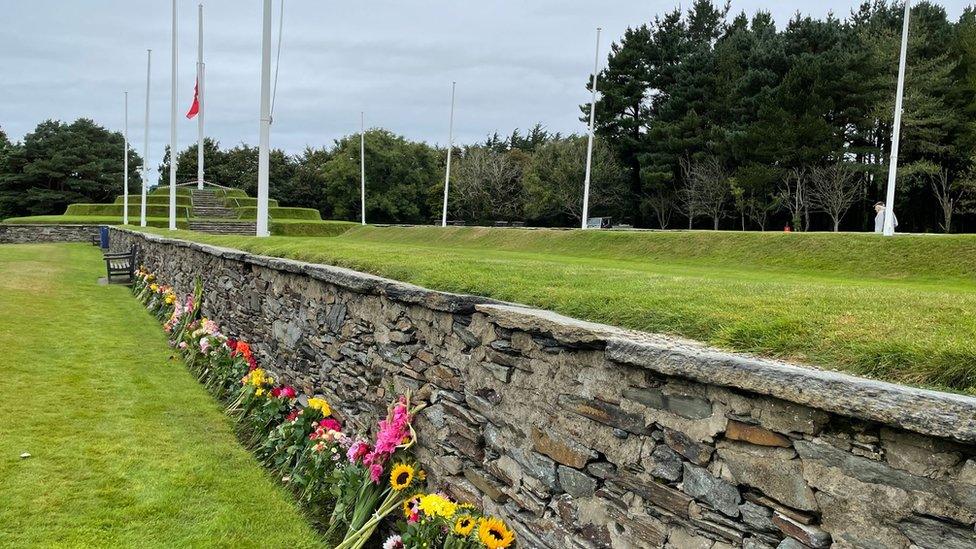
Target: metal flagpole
x=589 y=141
x=889 y=218
x=145 y=158
x=450 y=148
x=200 y=98
x=265 y=124
x=172 y=132
x=362 y=166
x=125 y=162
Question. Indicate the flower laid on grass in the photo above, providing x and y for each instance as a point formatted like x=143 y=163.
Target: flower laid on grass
x=393 y=542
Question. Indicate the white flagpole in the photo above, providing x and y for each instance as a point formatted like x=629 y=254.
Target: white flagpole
x=200 y=99
x=125 y=162
x=172 y=132
x=362 y=166
x=265 y=124
x=589 y=141
x=145 y=158
x=889 y=218
x=450 y=148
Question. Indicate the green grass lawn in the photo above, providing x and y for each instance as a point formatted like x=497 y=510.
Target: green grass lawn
x=900 y=309
x=128 y=450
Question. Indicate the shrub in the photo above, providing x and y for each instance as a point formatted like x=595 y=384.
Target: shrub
x=152 y=210
x=309 y=214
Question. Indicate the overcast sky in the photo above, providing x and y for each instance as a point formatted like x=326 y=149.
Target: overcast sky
x=516 y=62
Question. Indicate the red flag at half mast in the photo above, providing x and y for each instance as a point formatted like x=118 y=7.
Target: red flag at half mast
x=195 y=107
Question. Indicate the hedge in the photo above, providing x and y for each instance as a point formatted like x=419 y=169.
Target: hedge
x=181 y=200
x=247 y=201
x=309 y=214
x=152 y=210
x=164 y=191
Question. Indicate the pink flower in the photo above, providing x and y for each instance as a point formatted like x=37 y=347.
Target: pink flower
x=182 y=345
x=204 y=344
x=330 y=424
x=376 y=472
x=357 y=451
x=293 y=415
x=393 y=542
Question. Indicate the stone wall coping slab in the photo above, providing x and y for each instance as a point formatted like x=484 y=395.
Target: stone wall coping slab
x=923 y=411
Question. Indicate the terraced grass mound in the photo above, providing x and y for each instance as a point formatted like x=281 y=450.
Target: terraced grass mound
x=901 y=309
x=162 y=222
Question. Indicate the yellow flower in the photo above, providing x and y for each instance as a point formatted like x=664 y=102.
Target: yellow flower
x=401 y=476
x=464 y=525
x=435 y=505
x=257 y=378
x=170 y=298
x=259 y=392
x=154 y=287
x=321 y=405
x=493 y=533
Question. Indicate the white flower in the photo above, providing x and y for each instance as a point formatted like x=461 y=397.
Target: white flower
x=393 y=542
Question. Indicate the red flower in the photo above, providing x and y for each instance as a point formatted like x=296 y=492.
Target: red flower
x=330 y=424
x=293 y=415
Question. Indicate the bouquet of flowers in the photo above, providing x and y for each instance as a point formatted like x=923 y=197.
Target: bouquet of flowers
x=378 y=478
x=433 y=520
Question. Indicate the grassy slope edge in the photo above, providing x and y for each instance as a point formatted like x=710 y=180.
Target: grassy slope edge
x=901 y=309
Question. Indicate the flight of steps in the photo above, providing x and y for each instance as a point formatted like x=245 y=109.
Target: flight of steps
x=211 y=216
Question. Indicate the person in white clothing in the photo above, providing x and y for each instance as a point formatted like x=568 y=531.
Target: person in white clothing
x=879 y=207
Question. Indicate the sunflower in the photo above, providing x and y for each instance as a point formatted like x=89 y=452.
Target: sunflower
x=464 y=525
x=401 y=476
x=493 y=533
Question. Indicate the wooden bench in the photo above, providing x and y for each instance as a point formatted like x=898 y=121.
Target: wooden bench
x=96 y=239
x=119 y=264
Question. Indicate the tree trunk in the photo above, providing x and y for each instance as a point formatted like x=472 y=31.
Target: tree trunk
x=715 y=223
x=837 y=225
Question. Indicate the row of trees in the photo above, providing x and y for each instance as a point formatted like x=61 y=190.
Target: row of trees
x=535 y=177
x=58 y=164
x=718 y=117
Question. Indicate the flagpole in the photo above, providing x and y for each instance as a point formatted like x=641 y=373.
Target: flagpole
x=172 y=131
x=125 y=162
x=200 y=69
x=265 y=124
x=889 y=217
x=589 y=140
x=450 y=148
x=145 y=158
x=362 y=166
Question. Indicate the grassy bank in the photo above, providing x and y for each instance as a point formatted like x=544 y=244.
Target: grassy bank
x=127 y=449
x=901 y=309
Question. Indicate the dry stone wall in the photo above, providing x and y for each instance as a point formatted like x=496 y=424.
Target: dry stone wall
x=24 y=234
x=584 y=435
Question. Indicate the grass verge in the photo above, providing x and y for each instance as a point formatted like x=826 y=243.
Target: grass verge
x=127 y=448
